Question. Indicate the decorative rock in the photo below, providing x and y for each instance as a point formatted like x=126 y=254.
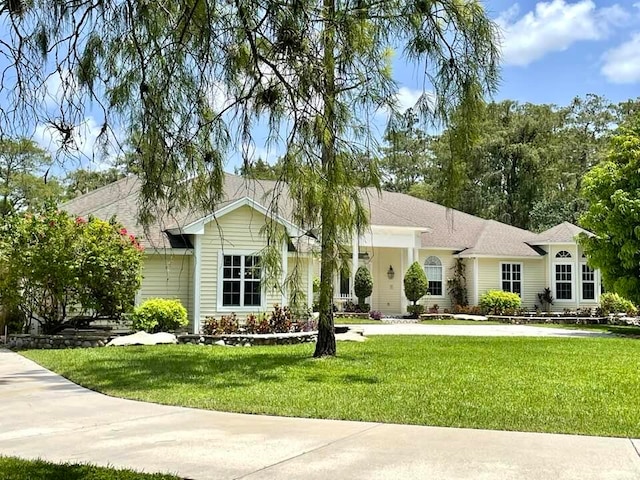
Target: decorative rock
x=221 y=343
x=144 y=338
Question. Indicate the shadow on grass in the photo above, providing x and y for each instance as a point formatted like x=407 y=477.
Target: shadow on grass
x=19 y=469
x=164 y=367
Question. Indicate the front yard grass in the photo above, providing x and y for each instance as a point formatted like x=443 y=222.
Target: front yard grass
x=12 y=468
x=355 y=321
x=456 y=321
x=565 y=385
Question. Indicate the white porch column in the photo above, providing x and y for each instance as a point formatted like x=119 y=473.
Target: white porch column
x=354 y=266
x=285 y=268
x=404 y=258
x=309 y=281
x=197 y=267
x=476 y=290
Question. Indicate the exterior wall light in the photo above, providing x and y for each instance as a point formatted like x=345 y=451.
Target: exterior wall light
x=390 y=273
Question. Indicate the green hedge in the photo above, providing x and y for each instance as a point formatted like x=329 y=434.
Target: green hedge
x=497 y=302
x=159 y=315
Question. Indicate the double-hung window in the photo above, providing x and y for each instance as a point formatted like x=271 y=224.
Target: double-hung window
x=241 y=281
x=563 y=276
x=588 y=282
x=511 y=276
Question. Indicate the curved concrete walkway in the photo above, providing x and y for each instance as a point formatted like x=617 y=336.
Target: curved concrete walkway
x=480 y=330
x=43 y=415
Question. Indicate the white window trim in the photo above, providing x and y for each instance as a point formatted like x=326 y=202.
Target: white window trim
x=521 y=276
x=444 y=284
x=220 y=282
x=573 y=281
x=596 y=285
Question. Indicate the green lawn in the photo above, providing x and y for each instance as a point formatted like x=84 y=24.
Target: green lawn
x=355 y=321
x=625 y=330
x=572 y=385
x=455 y=321
x=17 y=469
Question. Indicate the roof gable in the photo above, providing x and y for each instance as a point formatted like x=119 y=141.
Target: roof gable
x=564 y=232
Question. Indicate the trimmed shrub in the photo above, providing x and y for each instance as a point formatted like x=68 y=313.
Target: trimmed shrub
x=416 y=285
x=613 y=303
x=497 y=302
x=415 y=310
x=159 y=315
x=363 y=286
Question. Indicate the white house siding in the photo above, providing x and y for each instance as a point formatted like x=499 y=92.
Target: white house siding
x=236 y=232
x=533 y=277
x=298 y=268
x=448 y=261
x=167 y=276
x=387 y=293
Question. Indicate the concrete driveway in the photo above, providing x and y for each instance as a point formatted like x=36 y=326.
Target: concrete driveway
x=479 y=330
x=43 y=415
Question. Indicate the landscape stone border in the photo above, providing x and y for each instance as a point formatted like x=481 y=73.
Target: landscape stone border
x=45 y=342
x=248 y=340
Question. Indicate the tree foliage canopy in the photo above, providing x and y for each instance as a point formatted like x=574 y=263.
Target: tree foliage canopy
x=612 y=189
x=25 y=182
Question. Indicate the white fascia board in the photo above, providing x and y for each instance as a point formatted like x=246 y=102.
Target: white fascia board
x=501 y=257
x=197 y=227
x=169 y=251
x=399 y=229
x=552 y=243
x=406 y=240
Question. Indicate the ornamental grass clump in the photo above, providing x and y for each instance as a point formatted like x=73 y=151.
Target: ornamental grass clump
x=159 y=315
x=613 y=303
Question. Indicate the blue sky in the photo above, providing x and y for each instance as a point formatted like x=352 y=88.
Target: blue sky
x=552 y=51
x=555 y=50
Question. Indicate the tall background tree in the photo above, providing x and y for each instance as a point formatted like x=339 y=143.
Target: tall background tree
x=25 y=182
x=612 y=189
x=525 y=165
x=190 y=80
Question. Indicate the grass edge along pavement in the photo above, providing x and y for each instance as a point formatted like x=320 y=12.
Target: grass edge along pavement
x=13 y=468
x=585 y=386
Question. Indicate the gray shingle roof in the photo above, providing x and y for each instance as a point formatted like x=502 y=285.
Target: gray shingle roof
x=441 y=227
x=563 y=233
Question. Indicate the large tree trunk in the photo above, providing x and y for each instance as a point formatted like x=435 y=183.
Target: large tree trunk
x=326 y=344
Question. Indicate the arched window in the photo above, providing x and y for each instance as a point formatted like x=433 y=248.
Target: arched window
x=563 y=254
x=433 y=270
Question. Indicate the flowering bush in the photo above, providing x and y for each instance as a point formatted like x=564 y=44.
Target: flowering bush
x=54 y=267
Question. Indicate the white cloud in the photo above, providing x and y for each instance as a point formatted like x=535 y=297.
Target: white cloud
x=81 y=149
x=622 y=63
x=553 y=27
x=407 y=98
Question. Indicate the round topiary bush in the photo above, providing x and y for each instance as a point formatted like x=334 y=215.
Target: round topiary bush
x=159 y=315
x=497 y=302
x=416 y=286
x=363 y=286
